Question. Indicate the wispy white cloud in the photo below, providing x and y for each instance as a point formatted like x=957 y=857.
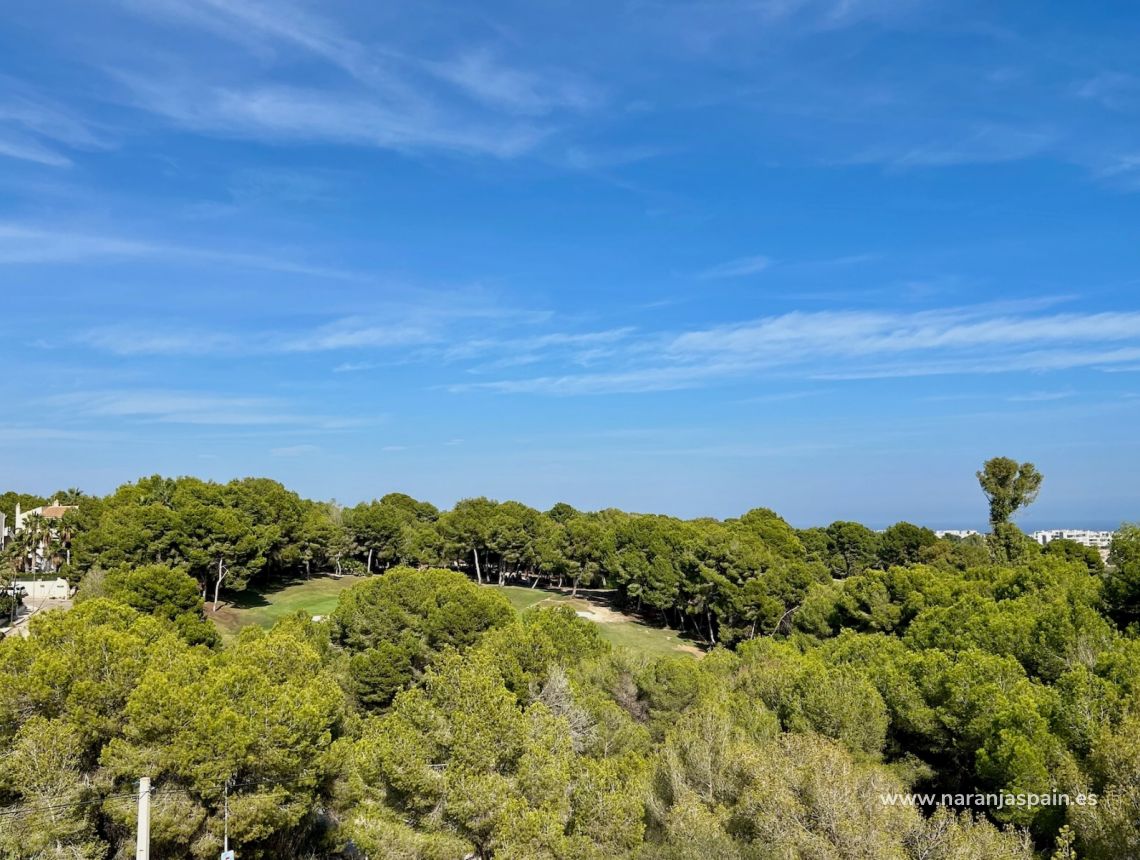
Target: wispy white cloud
x=187 y=407
x=347 y=334
x=1041 y=396
x=854 y=345
x=12 y=146
x=485 y=78
x=1121 y=169
x=981 y=144
x=353 y=366
x=649 y=379
x=474 y=102
x=294 y=450
x=34 y=128
x=523 y=350
x=737 y=268
x=259 y=26
x=22 y=244
x=27 y=435
x=355 y=333
x=854 y=333
x=596 y=157
x=1113 y=90
x=1031 y=361
x=128 y=340
x=438 y=327
x=304 y=115
x=711 y=25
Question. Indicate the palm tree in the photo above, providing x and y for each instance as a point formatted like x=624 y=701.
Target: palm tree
x=24 y=549
x=53 y=551
x=37 y=535
x=8 y=566
x=64 y=532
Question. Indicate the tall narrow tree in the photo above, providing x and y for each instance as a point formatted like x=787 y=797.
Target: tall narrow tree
x=1008 y=485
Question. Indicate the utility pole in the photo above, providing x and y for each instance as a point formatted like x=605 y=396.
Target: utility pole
x=142 y=840
x=227 y=854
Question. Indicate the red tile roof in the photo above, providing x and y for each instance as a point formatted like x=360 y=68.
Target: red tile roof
x=55 y=512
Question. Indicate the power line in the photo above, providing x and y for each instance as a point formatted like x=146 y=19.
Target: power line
x=22 y=810
x=133 y=795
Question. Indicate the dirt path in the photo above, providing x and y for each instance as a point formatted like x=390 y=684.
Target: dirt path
x=605 y=615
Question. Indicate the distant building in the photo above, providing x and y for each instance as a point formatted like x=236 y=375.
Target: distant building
x=54 y=511
x=1085 y=537
x=957 y=533
x=51 y=514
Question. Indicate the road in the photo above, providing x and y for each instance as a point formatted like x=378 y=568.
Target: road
x=29 y=609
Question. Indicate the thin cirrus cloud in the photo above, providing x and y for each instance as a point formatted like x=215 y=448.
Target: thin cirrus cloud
x=980 y=144
x=25 y=149
x=311 y=115
x=294 y=450
x=850 y=345
x=482 y=77
x=187 y=407
x=29 y=244
x=468 y=103
x=33 y=128
x=434 y=325
x=1113 y=90
x=861 y=333
x=347 y=334
x=737 y=268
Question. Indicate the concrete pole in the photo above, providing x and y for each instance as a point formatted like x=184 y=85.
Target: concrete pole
x=226 y=814
x=142 y=840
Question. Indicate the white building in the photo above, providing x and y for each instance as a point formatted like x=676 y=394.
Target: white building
x=1085 y=537
x=51 y=514
x=958 y=533
x=54 y=511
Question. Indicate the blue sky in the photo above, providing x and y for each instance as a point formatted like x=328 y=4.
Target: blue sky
x=820 y=255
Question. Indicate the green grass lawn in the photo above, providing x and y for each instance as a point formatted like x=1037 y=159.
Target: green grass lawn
x=319 y=596
x=315 y=596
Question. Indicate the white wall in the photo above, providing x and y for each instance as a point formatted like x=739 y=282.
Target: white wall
x=38 y=589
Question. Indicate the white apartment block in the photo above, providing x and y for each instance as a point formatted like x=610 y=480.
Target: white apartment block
x=958 y=533
x=1085 y=537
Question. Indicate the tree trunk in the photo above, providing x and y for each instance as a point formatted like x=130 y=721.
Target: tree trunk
x=574 y=588
x=478 y=574
x=708 y=619
x=370 y=559
x=218 y=583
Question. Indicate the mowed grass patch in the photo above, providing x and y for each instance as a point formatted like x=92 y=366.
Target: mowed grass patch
x=317 y=596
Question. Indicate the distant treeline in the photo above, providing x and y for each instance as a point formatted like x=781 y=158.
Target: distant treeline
x=720 y=580
x=425 y=719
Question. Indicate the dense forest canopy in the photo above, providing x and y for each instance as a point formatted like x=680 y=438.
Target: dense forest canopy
x=425 y=718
